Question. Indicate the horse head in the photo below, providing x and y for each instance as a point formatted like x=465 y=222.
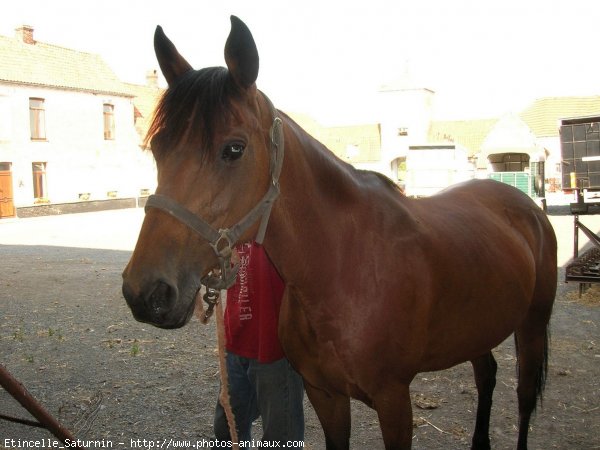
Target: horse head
x=210 y=139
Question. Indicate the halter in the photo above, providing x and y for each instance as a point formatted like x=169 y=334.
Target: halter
x=223 y=240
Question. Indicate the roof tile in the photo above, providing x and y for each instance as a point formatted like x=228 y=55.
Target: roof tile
x=41 y=64
x=468 y=133
x=544 y=114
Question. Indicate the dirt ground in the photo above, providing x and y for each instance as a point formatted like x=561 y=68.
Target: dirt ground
x=67 y=334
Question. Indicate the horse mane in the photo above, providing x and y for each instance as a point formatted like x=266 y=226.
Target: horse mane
x=192 y=109
x=329 y=155
x=196 y=105
x=384 y=179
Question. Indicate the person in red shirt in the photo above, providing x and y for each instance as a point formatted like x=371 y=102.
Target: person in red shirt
x=262 y=383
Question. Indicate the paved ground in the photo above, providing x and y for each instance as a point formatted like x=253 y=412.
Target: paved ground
x=110 y=230
x=67 y=334
x=118 y=230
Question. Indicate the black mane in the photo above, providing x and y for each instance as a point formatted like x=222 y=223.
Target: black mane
x=191 y=110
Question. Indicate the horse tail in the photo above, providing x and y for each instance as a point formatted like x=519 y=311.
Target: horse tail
x=543 y=372
x=532 y=337
x=542 y=369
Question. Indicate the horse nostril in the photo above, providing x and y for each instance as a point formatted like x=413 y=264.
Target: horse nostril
x=162 y=298
x=128 y=292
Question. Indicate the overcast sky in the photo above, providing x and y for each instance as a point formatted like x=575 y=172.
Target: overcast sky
x=328 y=58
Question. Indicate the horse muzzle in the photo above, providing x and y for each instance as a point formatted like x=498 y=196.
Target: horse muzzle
x=158 y=303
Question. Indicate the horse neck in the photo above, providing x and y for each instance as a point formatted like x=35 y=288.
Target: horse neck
x=316 y=191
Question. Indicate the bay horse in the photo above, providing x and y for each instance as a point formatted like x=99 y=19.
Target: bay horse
x=379 y=287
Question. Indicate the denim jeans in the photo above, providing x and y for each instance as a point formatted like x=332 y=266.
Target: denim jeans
x=273 y=391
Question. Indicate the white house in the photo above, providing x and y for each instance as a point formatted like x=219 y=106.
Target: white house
x=67 y=131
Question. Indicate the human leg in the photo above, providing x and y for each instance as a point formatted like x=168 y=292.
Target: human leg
x=242 y=398
x=280 y=394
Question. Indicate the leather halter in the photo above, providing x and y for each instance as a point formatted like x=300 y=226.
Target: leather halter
x=223 y=240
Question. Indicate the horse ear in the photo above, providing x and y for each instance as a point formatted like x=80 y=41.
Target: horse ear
x=241 y=54
x=171 y=63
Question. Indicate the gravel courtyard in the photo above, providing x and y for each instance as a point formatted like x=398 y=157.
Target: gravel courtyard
x=68 y=336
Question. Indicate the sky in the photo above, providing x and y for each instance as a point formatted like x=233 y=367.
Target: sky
x=483 y=58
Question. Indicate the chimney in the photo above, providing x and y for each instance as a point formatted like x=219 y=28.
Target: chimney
x=152 y=78
x=25 y=34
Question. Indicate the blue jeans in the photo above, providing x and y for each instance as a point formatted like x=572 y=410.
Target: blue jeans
x=273 y=391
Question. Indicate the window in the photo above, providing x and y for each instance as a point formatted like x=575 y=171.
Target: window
x=39 y=180
x=109 y=121
x=37 y=119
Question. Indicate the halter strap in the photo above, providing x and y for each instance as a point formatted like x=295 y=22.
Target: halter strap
x=223 y=240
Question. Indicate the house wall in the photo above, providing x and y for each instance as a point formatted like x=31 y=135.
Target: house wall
x=78 y=158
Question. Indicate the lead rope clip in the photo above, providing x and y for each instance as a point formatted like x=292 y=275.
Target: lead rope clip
x=211 y=297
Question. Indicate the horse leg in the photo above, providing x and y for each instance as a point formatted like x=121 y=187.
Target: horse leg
x=333 y=412
x=531 y=341
x=394 y=410
x=485 y=368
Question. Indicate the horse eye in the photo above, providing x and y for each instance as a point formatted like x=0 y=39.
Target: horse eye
x=234 y=151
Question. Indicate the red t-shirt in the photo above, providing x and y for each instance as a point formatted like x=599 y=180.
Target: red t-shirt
x=253 y=303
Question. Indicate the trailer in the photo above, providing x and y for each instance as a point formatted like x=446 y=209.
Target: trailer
x=580 y=155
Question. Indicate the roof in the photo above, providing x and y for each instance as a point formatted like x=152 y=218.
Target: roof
x=541 y=119
x=468 y=133
x=308 y=124
x=352 y=143
x=544 y=114
x=355 y=143
x=41 y=64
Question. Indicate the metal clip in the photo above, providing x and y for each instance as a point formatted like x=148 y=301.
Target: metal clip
x=211 y=297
